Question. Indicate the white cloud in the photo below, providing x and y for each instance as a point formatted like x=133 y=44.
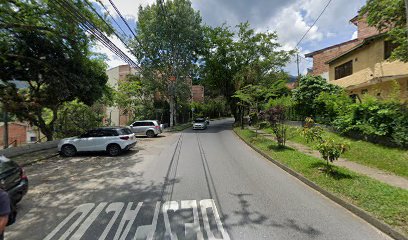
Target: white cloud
x=113 y=60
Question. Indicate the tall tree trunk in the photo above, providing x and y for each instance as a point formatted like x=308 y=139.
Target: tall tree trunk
x=171 y=111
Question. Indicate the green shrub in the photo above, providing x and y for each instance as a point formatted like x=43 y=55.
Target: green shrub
x=376 y=118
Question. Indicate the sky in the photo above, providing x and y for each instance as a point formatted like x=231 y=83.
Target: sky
x=289 y=18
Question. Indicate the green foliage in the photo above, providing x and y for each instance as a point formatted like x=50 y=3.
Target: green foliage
x=332 y=105
x=376 y=118
x=133 y=98
x=213 y=108
x=41 y=47
x=307 y=93
x=386 y=202
x=329 y=148
x=285 y=101
x=276 y=118
x=235 y=60
x=311 y=132
x=76 y=117
x=170 y=38
x=384 y=14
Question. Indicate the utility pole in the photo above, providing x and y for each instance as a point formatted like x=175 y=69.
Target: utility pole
x=297 y=63
x=5 y=130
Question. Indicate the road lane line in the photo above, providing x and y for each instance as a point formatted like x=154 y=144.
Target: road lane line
x=83 y=209
x=192 y=230
x=88 y=221
x=209 y=203
x=129 y=216
x=147 y=231
x=113 y=207
x=167 y=206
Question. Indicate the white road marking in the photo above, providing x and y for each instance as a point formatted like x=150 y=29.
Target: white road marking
x=113 y=207
x=129 y=216
x=192 y=229
x=85 y=215
x=83 y=209
x=88 y=221
x=209 y=203
x=147 y=231
x=171 y=205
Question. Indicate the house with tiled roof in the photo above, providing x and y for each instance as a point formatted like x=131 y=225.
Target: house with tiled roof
x=362 y=65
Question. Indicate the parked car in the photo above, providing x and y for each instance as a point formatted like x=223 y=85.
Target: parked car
x=113 y=140
x=149 y=128
x=199 y=123
x=13 y=179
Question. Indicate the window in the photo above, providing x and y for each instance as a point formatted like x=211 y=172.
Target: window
x=388 y=48
x=124 y=131
x=109 y=133
x=137 y=124
x=343 y=70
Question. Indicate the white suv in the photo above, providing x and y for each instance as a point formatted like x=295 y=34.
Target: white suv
x=113 y=140
x=150 y=128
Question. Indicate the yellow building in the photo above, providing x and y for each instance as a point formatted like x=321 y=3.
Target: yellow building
x=366 y=68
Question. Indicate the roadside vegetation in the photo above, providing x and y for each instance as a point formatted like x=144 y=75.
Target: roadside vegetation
x=385 y=202
x=394 y=160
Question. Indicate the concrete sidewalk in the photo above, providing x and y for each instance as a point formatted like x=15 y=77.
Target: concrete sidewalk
x=380 y=175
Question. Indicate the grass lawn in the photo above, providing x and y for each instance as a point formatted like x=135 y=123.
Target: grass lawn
x=387 y=203
x=385 y=158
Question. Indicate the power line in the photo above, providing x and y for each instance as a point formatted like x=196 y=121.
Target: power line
x=304 y=35
x=109 y=26
x=113 y=19
x=87 y=25
x=123 y=19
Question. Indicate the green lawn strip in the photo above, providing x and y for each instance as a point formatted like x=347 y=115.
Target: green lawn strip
x=385 y=202
x=393 y=160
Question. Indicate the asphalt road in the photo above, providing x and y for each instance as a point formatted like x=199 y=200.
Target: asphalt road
x=204 y=184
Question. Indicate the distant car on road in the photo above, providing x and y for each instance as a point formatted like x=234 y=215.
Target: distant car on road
x=13 y=179
x=199 y=123
x=149 y=128
x=113 y=140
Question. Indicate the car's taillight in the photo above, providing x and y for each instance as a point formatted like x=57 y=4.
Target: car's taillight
x=22 y=174
x=157 y=127
x=124 y=137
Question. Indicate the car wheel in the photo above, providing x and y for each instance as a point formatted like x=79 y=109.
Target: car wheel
x=113 y=150
x=68 y=150
x=150 y=134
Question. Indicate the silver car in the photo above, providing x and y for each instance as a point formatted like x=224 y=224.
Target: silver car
x=199 y=123
x=149 y=128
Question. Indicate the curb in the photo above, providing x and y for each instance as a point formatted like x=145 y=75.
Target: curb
x=38 y=160
x=387 y=229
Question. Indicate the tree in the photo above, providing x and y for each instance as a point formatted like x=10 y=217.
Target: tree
x=74 y=118
x=307 y=93
x=133 y=98
x=233 y=61
x=390 y=14
x=41 y=46
x=169 y=40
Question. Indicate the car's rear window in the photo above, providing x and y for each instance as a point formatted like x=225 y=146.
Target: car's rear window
x=124 y=131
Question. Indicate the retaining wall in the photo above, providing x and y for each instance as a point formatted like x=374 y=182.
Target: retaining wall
x=15 y=151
